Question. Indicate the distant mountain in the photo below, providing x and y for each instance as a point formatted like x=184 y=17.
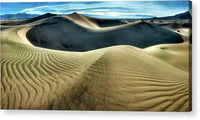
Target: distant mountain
x=18 y=16
x=144 y=16
x=185 y=15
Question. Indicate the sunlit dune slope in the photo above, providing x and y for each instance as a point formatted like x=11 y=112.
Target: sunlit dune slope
x=174 y=54
x=83 y=20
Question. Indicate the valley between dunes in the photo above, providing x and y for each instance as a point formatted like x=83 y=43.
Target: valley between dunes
x=119 y=77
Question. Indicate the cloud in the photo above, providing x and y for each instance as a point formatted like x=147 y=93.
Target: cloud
x=109 y=9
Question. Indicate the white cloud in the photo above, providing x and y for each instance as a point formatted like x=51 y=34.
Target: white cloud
x=115 y=9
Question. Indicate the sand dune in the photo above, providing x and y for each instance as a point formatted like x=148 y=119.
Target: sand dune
x=94 y=22
x=121 y=77
x=47 y=15
x=174 y=54
x=83 y=20
x=67 y=35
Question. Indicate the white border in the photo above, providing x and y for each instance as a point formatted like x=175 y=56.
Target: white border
x=99 y=115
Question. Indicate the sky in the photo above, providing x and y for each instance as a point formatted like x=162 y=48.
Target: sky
x=101 y=9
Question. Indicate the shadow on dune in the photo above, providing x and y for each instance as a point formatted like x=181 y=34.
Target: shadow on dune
x=62 y=34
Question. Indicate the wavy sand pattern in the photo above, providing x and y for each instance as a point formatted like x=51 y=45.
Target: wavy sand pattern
x=120 y=77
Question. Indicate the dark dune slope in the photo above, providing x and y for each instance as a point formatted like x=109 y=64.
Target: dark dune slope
x=62 y=34
x=105 y=22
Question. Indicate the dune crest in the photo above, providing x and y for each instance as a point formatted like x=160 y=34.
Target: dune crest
x=79 y=19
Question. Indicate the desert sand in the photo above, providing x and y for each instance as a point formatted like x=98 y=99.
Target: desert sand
x=54 y=74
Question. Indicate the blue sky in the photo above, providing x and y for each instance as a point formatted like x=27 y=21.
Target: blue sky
x=101 y=9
